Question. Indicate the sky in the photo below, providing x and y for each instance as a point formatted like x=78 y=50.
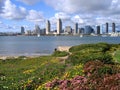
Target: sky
x=28 y=13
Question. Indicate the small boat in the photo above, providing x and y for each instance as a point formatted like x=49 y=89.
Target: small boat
x=81 y=35
x=104 y=35
x=38 y=35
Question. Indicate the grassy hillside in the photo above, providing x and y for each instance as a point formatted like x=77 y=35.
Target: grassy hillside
x=88 y=67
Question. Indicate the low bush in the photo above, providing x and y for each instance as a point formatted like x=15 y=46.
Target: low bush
x=99 y=69
x=102 y=76
x=106 y=70
x=60 y=53
x=78 y=58
x=103 y=47
x=77 y=83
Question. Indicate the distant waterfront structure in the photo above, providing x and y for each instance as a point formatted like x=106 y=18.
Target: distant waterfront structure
x=68 y=29
x=37 y=29
x=22 y=30
x=106 y=27
x=59 y=26
x=76 y=29
x=43 y=31
x=113 y=27
x=28 y=32
x=81 y=31
x=98 y=29
x=88 y=30
x=48 y=26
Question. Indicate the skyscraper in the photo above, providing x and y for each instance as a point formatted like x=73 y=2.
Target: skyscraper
x=98 y=29
x=47 y=27
x=76 y=29
x=88 y=30
x=68 y=29
x=37 y=29
x=113 y=27
x=22 y=30
x=106 y=27
x=59 y=26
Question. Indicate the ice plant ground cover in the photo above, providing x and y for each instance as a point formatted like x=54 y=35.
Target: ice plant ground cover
x=88 y=67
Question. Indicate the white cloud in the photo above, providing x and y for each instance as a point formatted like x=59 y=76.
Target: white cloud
x=35 y=16
x=29 y=2
x=62 y=16
x=75 y=6
x=88 y=10
x=53 y=20
x=1 y=5
x=5 y=26
x=1 y=22
x=77 y=19
x=11 y=11
x=9 y=27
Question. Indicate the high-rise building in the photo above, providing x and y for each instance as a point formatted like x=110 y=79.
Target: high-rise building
x=106 y=27
x=68 y=29
x=28 y=32
x=81 y=31
x=98 y=29
x=88 y=30
x=37 y=29
x=42 y=31
x=76 y=29
x=47 y=27
x=59 y=26
x=22 y=30
x=113 y=27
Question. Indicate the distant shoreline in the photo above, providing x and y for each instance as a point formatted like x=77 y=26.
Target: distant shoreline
x=17 y=56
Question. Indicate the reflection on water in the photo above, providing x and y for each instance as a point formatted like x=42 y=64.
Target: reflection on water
x=32 y=45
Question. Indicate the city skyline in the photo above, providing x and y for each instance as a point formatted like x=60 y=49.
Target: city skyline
x=68 y=30
x=28 y=13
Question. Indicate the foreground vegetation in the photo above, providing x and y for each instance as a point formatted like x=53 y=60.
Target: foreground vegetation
x=88 y=67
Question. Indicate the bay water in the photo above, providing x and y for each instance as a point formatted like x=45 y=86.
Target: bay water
x=44 y=45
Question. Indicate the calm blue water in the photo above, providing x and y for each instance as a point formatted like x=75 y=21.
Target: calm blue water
x=32 y=45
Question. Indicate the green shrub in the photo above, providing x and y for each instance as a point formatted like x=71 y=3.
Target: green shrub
x=100 y=69
x=22 y=57
x=105 y=70
x=103 y=47
x=83 y=58
x=102 y=76
x=60 y=53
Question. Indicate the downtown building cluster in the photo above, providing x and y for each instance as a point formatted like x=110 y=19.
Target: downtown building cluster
x=76 y=29
x=68 y=30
